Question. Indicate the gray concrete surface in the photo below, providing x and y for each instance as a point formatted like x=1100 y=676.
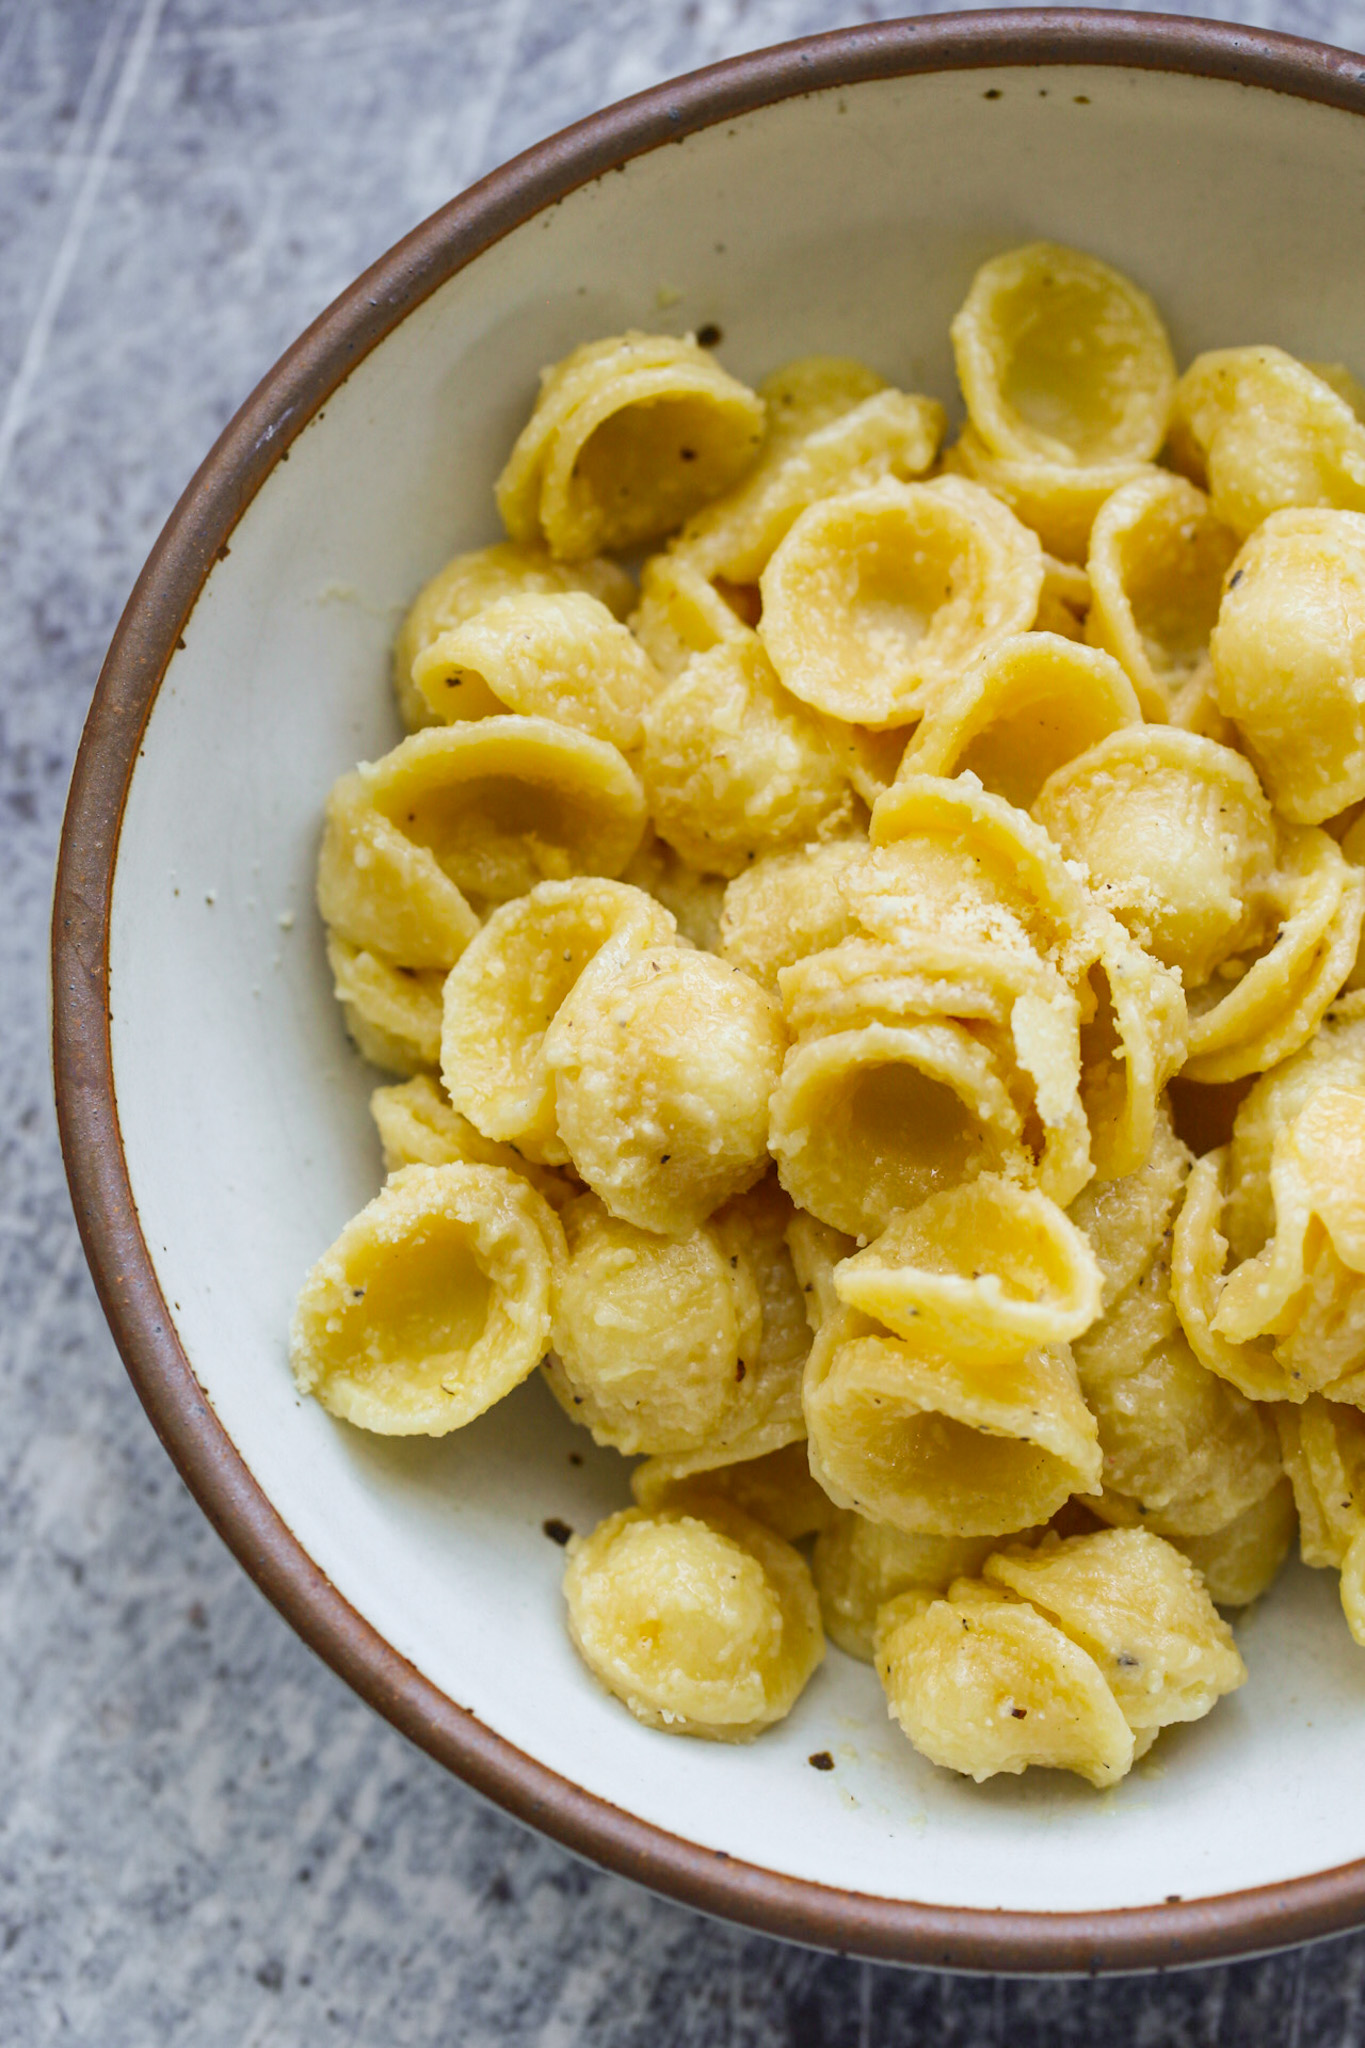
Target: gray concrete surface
x=204 y=1838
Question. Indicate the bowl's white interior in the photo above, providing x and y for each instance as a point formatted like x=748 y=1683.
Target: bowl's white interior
x=848 y=221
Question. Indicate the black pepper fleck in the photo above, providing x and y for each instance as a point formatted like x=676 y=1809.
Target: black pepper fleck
x=821 y=1761
x=557 y=1531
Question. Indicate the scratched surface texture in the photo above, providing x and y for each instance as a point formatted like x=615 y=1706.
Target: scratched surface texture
x=204 y=1838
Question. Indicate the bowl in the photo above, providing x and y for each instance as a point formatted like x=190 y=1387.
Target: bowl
x=832 y=195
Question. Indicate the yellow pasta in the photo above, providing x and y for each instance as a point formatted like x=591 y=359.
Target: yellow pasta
x=1333 y=1058
x=1287 y=660
x=986 y=1686
x=1024 y=710
x=1241 y=1560
x=1262 y=431
x=812 y=451
x=1056 y=500
x=1137 y=1607
x=682 y=613
x=653 y=1336
x=869 y=1121
x=787 y=905
x=664 y=1060
x=507 y=989
x=467 y=584
x=940 y=1447
x=694 y=899
x=393 y=1014
x=859 y=1565
x=382 y=892
x=1064 y=602
x=432 y=1304
x=878 y=599
x=418 y=1127
x=1125 y=1220
x=1177 y=838
x=1157 y=559
x=700 y=1627
x=981 y=1274
x=776 y=1488
x=560 y=657
x=733 y=767
x=1062 y=359
x=1324 y=1456
x=628 y=436
x=1184 y=1452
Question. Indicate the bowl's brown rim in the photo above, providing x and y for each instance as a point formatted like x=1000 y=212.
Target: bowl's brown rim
x=197 y=533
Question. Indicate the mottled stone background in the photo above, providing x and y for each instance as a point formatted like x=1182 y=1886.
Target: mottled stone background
x=204 y=1838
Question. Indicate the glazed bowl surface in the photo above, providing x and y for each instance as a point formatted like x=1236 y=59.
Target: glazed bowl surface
x=829 y=196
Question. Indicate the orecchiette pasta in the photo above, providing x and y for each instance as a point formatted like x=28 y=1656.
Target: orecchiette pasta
x=506 y=990
x=1062 y=359
x=837 y=933
x=561 y=657
x=1157 y=559
x=1287 y=660
x=1262 y=431
x=432 y=1304
x=628 y=437
x=664 y=1061
x=1028 y=707
x=700 y=1626
x=393 y=1014
x=734 y=767
x=877 y=599
x=467 y=584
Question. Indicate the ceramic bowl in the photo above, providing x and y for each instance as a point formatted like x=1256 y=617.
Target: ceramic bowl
x=831 y=195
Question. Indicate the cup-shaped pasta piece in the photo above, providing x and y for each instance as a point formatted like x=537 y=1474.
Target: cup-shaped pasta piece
x=664 y=1061
x=1134 y=1033
x=1316 y=902
x=1324 y=1456
x=1177 y=837
x=1125 y=1220
x=465 y=585
x=382 y=892
x=807 y=457
x=560 y=657
x=1333 y=1058
x=700 y=1627
x=432 y=1304
x=1061 y=358
x=1262 y=432
x=1241 y=1560
x=1054 y=499
x=776 y=1488
x=860 y=1565
x=867 y=1122
x=1158 y=556
x=652 y=1335
x=1024 y=710
x=692 y=898
x=733 y=767
x=1305 y=1290
x=978 y=1274
x=393 y=1014
x=496 y=806
x=682 y=613
x=878 y=599
x=1289 y=659
x=788 y=905
x=512 y=980
x=1138 y=1607
x=990 y=1686
x=1186 y=1449
x=1199 y=1253
x=418 y=1127
x=940 y=1447
x=628 y=437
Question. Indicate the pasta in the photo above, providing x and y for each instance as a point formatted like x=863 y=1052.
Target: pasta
x=699 y=1625
x=432 y=1304
x=874 y=993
